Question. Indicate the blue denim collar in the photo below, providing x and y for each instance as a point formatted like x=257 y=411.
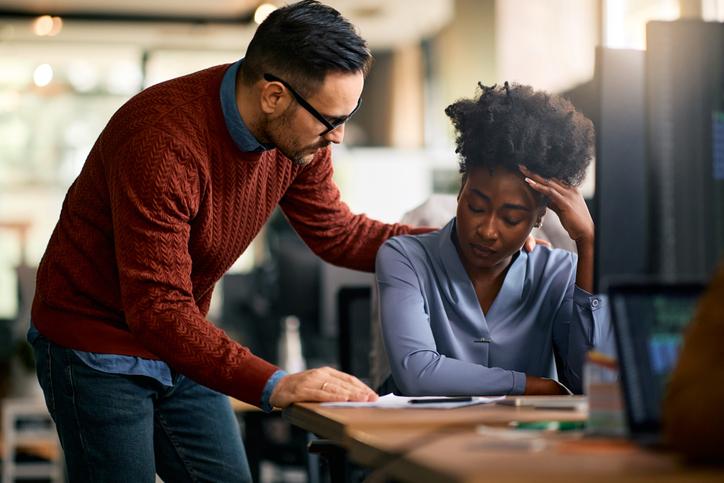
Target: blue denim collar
x=243 y=138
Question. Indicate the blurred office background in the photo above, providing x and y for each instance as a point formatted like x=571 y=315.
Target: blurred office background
x=66 y=66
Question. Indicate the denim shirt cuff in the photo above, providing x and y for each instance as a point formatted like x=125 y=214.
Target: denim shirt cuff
x=32 y=334
x=518 y=383
x=584 y=299
x=269 y=388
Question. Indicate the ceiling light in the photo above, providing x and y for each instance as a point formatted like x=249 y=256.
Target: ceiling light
x=57 y=26
x=263 y=11
x=43 y=75
x=43 y=25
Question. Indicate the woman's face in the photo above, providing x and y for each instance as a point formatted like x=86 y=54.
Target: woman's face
x=496 y=212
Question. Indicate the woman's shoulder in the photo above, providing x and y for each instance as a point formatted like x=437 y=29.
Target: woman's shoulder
x=549 y=272
x=419 y=239
x=416 y=249
x=546 y=260
x=411 y=244
x=542 y=252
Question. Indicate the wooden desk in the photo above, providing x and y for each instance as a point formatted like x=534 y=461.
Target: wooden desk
x=333 y=423
x=241 y=407
x=444 y=445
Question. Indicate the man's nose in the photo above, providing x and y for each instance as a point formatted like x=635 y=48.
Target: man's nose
x=336 y=135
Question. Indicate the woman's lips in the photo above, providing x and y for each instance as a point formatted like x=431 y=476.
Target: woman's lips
x=482 y=251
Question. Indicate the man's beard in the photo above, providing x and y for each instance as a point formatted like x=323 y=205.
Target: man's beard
x=299 y=156
x=300 y=159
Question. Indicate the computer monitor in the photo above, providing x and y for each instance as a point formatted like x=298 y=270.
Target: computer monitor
x=684 y=102
x=649 y=321
x=621 y=196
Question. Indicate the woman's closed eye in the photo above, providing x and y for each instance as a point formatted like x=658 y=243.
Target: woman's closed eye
x=508 y=220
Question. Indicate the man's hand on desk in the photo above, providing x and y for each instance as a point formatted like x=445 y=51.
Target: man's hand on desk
x=323 y=384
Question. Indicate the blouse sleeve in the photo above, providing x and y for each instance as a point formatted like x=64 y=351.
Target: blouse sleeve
x=581 y=324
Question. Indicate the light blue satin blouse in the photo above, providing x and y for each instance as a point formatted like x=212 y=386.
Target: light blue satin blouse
x=439 y=341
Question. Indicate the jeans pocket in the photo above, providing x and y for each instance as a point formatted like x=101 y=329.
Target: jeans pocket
x=43 y=369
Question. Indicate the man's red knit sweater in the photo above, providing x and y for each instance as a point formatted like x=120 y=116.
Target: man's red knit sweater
x=164 y=205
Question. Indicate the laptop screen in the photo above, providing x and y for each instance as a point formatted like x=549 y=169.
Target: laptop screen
x=649 y=322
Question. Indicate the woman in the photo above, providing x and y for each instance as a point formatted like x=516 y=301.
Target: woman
x=464 y=310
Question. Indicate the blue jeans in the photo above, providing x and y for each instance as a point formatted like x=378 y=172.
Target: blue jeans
x=119 y=428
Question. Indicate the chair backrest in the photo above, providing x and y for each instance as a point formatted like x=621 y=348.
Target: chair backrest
x=379 y=364
x=354 y=314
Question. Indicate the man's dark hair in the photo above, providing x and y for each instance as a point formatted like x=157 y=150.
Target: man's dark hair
x=302 y=43
x=514 y=124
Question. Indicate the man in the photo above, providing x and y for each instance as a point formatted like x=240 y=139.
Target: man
x=176 y=187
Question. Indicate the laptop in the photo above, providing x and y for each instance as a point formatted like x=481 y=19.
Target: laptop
x=649 y=320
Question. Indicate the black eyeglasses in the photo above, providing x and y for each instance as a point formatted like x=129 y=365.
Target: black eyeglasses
x=330 y=124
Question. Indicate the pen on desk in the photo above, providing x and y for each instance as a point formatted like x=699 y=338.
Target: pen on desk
x=441 y=400
x=549 y=425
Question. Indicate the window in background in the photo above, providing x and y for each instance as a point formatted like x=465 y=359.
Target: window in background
x=624 y=21
x=165 y=64
x=548 y=45
x=384 y=183
x=712 y=10
x=55 y=99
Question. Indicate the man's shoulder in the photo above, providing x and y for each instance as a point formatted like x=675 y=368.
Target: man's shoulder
x=173 y=104
x=186 y=87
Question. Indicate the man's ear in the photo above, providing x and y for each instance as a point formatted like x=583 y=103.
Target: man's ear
x=271 y=97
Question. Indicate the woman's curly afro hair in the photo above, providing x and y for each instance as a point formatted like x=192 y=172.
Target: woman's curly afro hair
x=514 y=124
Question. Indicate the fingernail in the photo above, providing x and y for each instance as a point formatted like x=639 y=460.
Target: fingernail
x=529 y=181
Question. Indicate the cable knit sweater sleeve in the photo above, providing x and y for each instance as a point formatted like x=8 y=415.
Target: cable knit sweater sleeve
x=313 y=206
x=155 y=190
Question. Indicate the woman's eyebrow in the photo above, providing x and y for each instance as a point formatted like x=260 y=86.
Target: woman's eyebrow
x=481 y=194
x=513 y=206
x=507 y=206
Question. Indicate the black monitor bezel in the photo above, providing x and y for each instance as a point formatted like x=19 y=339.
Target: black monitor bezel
x=648 y=427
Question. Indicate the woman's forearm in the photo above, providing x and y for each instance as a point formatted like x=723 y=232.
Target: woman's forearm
x=427 y=373
x=584 y=270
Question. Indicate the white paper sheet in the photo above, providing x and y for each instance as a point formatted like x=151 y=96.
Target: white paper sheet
x=390 y=401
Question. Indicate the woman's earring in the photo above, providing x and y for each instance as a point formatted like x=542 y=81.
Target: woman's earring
x=539 y=224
